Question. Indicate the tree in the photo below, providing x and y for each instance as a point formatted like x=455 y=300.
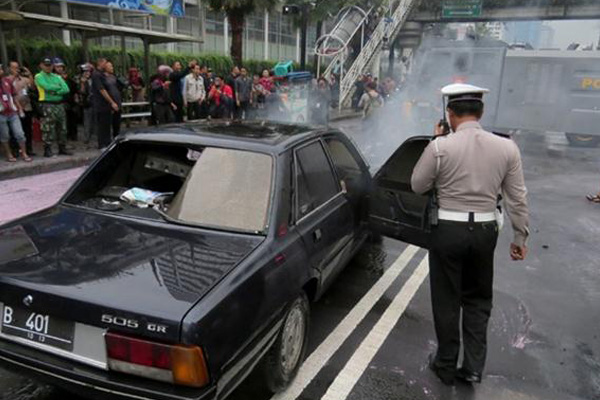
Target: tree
x=236 y=11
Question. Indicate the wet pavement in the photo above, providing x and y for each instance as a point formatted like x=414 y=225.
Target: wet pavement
x=544 y=337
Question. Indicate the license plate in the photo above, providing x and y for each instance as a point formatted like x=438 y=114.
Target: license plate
x=39 y=328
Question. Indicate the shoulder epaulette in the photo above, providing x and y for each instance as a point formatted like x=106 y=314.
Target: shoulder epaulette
x=504 y=135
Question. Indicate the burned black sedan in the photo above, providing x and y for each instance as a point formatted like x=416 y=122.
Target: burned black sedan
x=186 y=256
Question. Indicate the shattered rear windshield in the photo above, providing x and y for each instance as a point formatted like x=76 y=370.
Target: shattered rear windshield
x=211 y=187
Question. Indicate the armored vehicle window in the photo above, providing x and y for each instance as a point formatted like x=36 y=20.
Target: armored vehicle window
x=461 y=63
x=315 y=183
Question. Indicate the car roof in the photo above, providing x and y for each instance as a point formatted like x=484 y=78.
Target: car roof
x=254 y=135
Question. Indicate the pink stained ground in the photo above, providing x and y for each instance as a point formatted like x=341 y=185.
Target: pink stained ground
x=22 y=196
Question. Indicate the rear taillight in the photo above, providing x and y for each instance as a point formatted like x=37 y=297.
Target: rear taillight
x=179 y=364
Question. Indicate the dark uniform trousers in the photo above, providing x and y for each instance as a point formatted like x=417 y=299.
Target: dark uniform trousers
x=461 y=258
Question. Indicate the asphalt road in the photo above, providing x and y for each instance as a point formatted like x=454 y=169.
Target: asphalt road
x=372 y=331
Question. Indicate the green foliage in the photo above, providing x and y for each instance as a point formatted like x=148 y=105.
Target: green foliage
x=34 y=50
x=241 y=6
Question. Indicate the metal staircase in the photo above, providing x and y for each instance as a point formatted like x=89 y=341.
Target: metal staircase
x=386 y=30
x=357 y=26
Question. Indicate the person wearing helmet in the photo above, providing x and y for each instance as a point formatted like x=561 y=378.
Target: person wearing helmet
x=160 y=96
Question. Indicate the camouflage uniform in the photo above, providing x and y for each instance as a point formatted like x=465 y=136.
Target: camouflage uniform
x=54 y=123
x=51 y=91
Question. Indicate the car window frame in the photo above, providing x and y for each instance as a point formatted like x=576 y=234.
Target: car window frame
x=269 y=212
x=350 y=146
x=298 y=219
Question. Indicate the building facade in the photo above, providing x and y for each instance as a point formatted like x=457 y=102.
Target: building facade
x=268 y=35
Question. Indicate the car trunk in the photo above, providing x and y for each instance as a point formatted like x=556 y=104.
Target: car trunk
x=97 y=270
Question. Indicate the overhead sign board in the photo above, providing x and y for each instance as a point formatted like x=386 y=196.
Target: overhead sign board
x=159 y=7
x=461 y=8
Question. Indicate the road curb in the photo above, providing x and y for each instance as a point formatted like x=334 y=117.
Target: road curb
x=48 y=165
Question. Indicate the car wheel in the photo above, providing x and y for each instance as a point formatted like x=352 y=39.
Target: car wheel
x=283 y=360
x=578 y=140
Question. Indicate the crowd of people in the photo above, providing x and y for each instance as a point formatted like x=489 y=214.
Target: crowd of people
x=59 y=102
x=94 y=98
x=369 y=85
x=238 y=95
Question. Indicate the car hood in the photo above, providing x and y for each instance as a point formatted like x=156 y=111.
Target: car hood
x=80 y=265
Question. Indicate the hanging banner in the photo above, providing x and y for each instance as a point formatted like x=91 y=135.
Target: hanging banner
x=159 y=7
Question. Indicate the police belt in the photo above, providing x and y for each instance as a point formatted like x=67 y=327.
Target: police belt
x=459 y=216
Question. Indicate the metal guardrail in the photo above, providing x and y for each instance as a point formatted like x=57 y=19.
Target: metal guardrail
x=146 y=113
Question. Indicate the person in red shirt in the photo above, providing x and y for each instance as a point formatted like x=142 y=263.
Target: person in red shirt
x=266 y=81
x=221 y=99
x=9 y=115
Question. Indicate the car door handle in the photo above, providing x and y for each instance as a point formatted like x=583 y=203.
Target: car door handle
x=317 y=235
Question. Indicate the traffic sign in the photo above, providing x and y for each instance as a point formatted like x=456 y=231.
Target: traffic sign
x=461 y=8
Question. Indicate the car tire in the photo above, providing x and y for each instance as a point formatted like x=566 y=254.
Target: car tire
x=282 y=361
x=579 y=140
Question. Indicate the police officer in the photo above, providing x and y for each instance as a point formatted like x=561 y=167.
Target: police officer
x=51 y=88
x=468 y=169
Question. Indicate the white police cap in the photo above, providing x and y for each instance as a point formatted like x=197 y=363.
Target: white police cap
x=463 y=92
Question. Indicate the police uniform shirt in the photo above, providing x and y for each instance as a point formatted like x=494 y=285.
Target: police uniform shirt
x=469 y=168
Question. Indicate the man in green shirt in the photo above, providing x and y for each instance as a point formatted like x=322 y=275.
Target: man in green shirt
x=51 y=88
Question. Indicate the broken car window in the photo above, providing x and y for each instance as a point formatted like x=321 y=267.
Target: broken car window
x=206 y=186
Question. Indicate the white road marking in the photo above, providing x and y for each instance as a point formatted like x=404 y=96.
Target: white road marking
x=360 y=360
x=315 y=362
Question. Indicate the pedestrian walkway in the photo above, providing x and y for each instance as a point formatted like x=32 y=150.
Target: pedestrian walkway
x=84 y=154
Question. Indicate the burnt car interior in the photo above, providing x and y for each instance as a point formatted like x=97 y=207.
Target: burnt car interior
x=190 y=185
x=159 y=168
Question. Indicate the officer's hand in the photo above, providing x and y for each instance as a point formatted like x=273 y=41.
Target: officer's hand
x=438 y=130
x=518 y=253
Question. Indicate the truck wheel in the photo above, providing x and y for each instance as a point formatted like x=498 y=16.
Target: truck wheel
x=283 y=360
x=579 y=140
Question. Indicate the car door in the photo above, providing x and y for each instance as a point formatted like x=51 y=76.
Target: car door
x=352 y=172
x=324 y=217
x=394 y=209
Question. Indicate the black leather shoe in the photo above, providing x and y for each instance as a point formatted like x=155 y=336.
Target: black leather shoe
x=467 y=376
x=446 y=378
